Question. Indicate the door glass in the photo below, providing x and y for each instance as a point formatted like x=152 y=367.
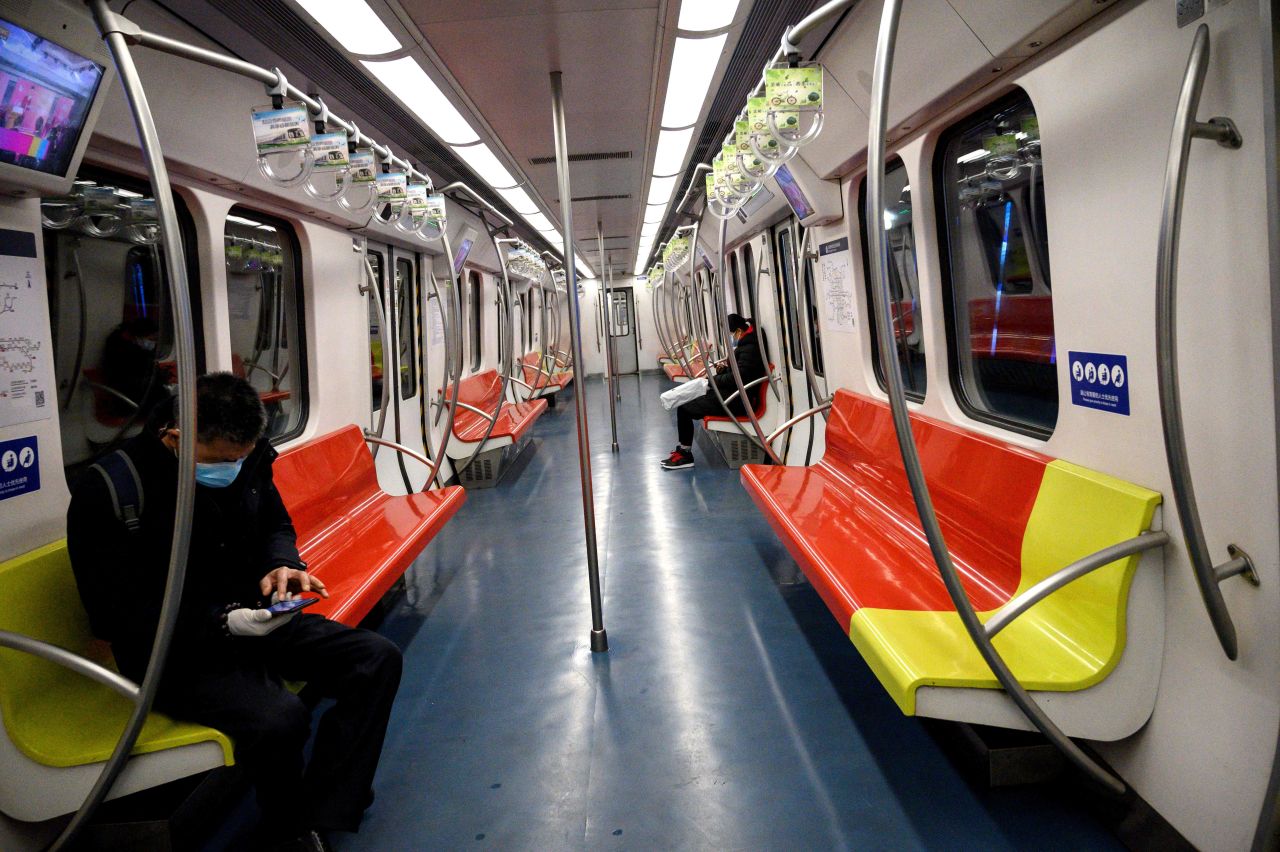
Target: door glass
x=264 y=307
x=376 y=368
x=787 y=285
x=407 y=336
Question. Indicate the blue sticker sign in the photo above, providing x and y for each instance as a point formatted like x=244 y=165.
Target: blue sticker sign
x=19 y=467
x=1099 y=381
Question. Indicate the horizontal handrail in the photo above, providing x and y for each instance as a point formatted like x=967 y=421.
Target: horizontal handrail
x=802 y=416
x=485 y=414
x=1064 y=576
x=459 y=186
x=400 y=448
x=748 y=386
x=70 y=660
x=520 y=383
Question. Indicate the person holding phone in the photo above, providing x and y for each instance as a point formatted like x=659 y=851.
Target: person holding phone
x=241 y=631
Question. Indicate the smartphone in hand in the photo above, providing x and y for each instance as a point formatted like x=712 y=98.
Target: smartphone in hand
x=285 y=607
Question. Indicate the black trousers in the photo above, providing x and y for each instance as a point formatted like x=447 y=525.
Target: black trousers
x=244 y=697
x=696 y=409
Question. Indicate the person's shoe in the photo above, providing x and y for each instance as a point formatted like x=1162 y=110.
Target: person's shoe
x=679 y=459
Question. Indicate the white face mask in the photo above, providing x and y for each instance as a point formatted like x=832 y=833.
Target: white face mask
x=145 y=343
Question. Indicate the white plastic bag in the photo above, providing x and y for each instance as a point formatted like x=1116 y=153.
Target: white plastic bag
x=687 y=392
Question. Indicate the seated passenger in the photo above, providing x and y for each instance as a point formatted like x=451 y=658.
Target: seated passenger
x=751 y=366
x=230 y=657
x=129 y=366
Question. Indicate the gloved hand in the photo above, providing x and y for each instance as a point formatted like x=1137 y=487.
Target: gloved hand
x=254 y=622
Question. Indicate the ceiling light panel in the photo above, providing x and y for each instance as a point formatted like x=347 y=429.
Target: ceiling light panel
x=353 y=24
x=655 y=213
x=650 y=231
x=693 y=64
x=540 y=223
x=484 y=163
x=661 y=188
x=704 y=15
x=673 y=145
x=405 y=79
x=519 y=201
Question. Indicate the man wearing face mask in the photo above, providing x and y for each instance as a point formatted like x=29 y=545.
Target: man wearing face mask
x=751 y=366
x=230 y=657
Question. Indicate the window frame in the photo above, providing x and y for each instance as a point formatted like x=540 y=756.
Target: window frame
x=877 y=367
x=302 y=390
x=977 y=116
x=412 y=299
x=788 y=295
x=475 y=294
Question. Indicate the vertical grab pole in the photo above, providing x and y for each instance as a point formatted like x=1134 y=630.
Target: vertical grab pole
x=599 y=639
x=885 y=335
x=184 y=351
x=610 y=363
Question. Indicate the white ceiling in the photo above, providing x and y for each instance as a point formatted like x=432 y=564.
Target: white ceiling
x=502 y=53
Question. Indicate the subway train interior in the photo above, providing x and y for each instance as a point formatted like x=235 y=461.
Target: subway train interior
x=981 y=551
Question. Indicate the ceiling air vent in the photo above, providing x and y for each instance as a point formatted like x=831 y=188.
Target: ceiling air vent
x=599 y=197
x=583 y=158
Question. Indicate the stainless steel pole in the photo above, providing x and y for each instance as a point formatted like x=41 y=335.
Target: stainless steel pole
x=610 y=361
x=185 y=356
x=599 y=639
x=879 y=251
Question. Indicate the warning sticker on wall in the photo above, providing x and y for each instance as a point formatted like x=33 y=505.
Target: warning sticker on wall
x=19 y=467
x=1099 y=381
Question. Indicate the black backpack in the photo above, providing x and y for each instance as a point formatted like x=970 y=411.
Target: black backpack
x=125 y=487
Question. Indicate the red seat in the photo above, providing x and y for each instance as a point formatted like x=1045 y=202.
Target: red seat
x=843 y=519
x=483 y=391
x=354 y=536
x=761 y=392
x=556 y=382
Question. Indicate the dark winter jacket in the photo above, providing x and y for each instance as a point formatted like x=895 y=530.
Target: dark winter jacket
x=238 y=535
x=751 y=364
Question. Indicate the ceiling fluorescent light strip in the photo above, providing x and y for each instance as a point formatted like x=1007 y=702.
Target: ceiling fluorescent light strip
x=405 y=79
x=706 y=15
x=353 y=25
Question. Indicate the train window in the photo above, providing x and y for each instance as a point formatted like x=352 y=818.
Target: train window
x=749 y=274
x=996 y=267
x=477 y=318
x=736 y=282
x=264 y=306
x=787 y=284
x=815 y=333
x=376 y=365
x=406 y=329
x=110 y=315
x=904 y=281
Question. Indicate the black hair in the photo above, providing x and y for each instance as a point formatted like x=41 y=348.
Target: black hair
x=738 y=323
x=227 y=408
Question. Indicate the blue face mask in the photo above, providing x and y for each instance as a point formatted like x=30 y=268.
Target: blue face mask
x=218 y=474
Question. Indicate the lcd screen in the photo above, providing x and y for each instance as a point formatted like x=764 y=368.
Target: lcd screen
x=460 y=258
x=795 y=196
x=45 y=94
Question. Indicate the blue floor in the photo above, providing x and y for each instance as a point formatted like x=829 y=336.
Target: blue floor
x=729 y=713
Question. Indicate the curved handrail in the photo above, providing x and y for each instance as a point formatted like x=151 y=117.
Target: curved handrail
x=806 y=311
x=726 y=336
x=438 y=402
x=766 y=256
x=424 y=362
x=184 y=351
x=70 y=660
x=370 y=288
x=455 y=293
x=1185 y=128
x=504 y=296
x=804 y=415
x=1063 y=576
x=885 y=43
x=82 y=331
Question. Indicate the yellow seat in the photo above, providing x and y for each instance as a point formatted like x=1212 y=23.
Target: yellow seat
x=54 y=716
x=1069 y=641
